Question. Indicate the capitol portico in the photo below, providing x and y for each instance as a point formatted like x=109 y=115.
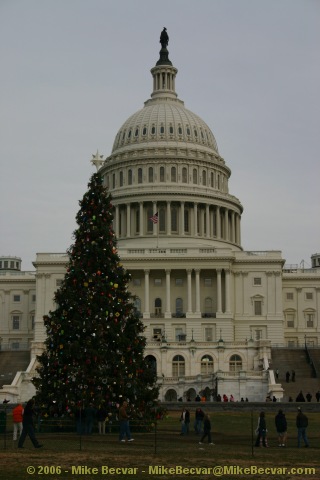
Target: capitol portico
x=212 y=310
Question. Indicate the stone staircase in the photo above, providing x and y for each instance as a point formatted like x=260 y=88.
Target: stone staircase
x=288 y=359
x=12 y=362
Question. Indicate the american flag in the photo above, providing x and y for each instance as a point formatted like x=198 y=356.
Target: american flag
x=155 y=218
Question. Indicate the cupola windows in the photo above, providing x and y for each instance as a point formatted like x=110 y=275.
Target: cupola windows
x=144 y=131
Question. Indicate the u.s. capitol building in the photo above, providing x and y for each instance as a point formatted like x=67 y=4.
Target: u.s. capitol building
x=212 y=310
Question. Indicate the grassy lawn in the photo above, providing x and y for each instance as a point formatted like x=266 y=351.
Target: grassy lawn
x=233 y=448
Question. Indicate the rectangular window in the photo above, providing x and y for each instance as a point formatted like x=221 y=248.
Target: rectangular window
x=179 y=282
x=257 y=307
x=15 y=345
x=15 y=322
x=16 y=298
x=33 y=298
x=290 y=320
x=59 y=282
x=32 y=322
x=257 y=281
x=289 y=296
x=258 y=334
x=309 y=296
x=310 y=320
x=158 y=282
x=157 y=334
x=180 y=334
x=208 y=282
x=137 y=282
x=208 y=334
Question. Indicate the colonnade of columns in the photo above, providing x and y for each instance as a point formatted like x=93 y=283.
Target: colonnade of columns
x=221 y=291
x=197 y=219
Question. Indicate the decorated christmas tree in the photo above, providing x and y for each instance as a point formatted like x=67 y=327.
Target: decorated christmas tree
x=94 y=351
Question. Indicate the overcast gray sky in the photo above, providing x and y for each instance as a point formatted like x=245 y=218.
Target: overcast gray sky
x=72 y=71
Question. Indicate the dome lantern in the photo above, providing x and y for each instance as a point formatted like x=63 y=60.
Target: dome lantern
x=164 y=73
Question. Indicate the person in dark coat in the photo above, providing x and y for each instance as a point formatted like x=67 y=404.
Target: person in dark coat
x=261 y=431
x=281 y=426
x=185 y=421
x=28 y=425
x=199 y=416
x=206 y=430
x=309 y=397
x=302 y=424
x=300 y=397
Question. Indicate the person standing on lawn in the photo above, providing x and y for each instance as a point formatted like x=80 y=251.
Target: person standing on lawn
x=17 y=417
x=124 y=423
x=206 y=430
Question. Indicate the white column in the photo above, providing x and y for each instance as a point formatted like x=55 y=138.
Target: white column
x=182 y=218
x=227 y=290
x=198 y=311
x=189 y=279
x=128 y=221
x=168 y=299
x=219 y=297
x=146 y=313
x=117 y=221
x=141 y=226
x=233 y=228
x=195 y=209
x=226 y=225
x=238 y=230
x=218 y=218
x=168 y=218
x=208 y=233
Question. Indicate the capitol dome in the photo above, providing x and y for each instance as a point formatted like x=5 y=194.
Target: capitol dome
x=165 y=160
x=164 y=120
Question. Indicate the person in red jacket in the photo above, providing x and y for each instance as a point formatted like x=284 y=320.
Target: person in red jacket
x=17 y=413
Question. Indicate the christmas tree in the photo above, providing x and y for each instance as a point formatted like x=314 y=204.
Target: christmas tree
x=94 y=351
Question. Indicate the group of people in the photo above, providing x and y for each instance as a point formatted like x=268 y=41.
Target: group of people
x=281 y=427
x=202 y=424
x=288 y=375
x=23 y=422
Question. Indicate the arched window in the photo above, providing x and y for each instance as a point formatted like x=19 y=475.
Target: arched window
x=174 y=219
x=162 y=174
x=204 y=177
x=158 y=306
x=130 y=177
x=151 y=362
x=212 y=179
x=173 y=174
x=195 y=176
x=139 y=175
x=206 y=365
x=150 y=174
x=121 y=179
x=184 y=175
x=235 y=363
x=171 y=396
x=178 y=366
